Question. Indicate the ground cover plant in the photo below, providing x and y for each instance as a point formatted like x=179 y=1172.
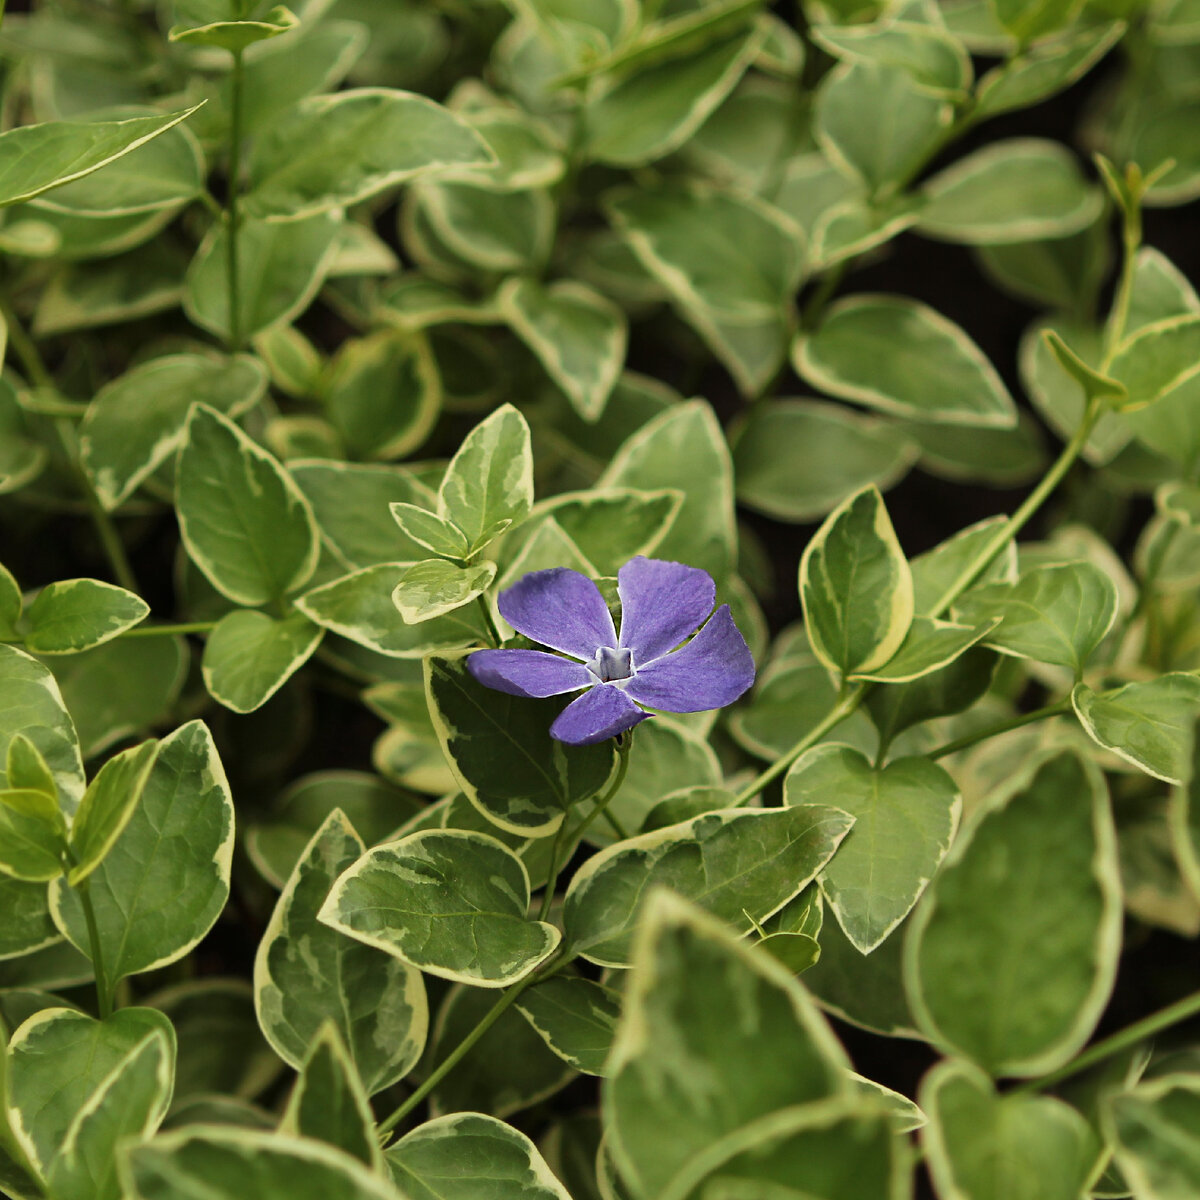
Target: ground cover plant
x=599 y=600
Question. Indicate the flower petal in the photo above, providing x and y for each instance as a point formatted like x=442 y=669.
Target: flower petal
x=561 y=609
x=661 y=604
x=601 y=713
x=712 y=670
x=528 y=672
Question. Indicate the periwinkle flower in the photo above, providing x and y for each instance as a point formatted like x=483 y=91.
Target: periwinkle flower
x=662 y=603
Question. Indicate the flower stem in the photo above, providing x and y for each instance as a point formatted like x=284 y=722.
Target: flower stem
x=981 y=735
x=624 y=744
x=1123 y=1039
x=493 y=632
x=463 y=1048
x=232 y=215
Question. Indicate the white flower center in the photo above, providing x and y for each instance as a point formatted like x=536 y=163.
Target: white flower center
x=611 y=665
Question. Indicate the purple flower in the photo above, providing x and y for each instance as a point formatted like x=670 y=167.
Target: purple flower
x=661 y=604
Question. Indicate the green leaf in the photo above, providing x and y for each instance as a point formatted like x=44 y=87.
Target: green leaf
x=864 y=990
x=57 y=1060
x=127 y=1106
x=935 y=60
x=790 y=702
x=884 y=153
x=165 y=172
x=684 y=449
x=856 y=587
x=1147 y=723
x=739 y=865
x=359 y=607
x=435 y=587
x=1153 y=1127
x=281 y=267
x=306 y=973
x=77 y=614
x=383 y=394
x=31 y=836
x=235 y=36
x=842 y=1148
x=1094 y=384
x=575 y=1017
x=1042 y=70
x=449 y=902
x=351 y=502
x=577 y=335
x=605 y=526
x=1029 y=21
x=730 y=263
x=928 y=646
x=33 y=706
x=905 y=815
x=1056 y=395
x=490 y=478
x=1157 y=359
x=991 y=1147
x=329 y=1104
x=136 y=423
x=40 y=157
x=1055 y=614
x=1013 y=978
x=87 y=295
x=665 y=756
x=164 y=882
x=508 y=1069
x=427 y=529
x=332 y=151
x=107 y=806
x=902 y=357
x=691 y=1065
x=230 y=1164
x=1183 y=818
x=641 y=116
x=28 y=769
x=484 y=231
x=244 y=521
x=368 y=802
x=465 y=1155
x=10 y=603
x=1059 y=273
x=795 y=460
x=501 y=752
x=1014 y=190
x=121 y=687
x=249 y=656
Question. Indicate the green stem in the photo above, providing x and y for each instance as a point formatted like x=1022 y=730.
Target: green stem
x=104 y=1002
x=31 y=361
x=231 y=203
x=1009 y=530
x=463 y=1048
x=819 y=301
x=846 y=704
x=624 y=744
x=849 y=701
x=616 y=826
x=110 y=539
x=485 y=609
x=981 y=735
x=1124 y=1039
x=144 y=631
